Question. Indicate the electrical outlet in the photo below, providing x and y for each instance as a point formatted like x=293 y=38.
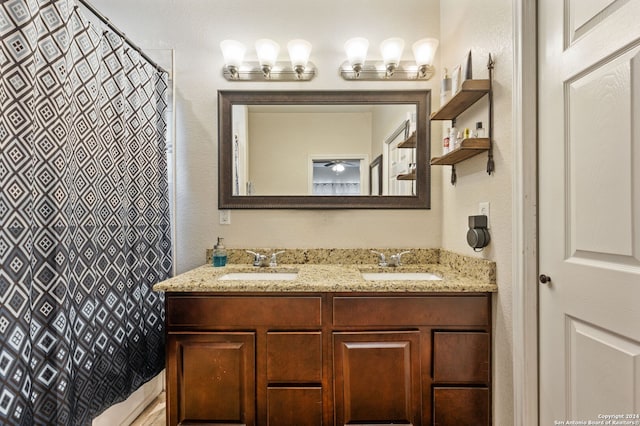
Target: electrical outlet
x=225 y=217
x=483 y=209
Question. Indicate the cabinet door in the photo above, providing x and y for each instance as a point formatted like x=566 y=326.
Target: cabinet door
x=211 y=378
x=377 y=378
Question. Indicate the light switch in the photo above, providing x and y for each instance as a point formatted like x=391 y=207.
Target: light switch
x=225 y=217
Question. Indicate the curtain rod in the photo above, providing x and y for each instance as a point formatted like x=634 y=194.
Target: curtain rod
x=120 y=33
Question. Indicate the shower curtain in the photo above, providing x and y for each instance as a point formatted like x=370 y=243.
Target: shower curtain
x=84 y=216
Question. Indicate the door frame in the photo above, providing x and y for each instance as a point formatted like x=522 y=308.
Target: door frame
x=525 y=213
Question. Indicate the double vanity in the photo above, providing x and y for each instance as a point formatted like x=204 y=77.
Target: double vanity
x=328 y=337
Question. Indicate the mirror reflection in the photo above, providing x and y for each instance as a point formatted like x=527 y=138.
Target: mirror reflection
x=323 y=149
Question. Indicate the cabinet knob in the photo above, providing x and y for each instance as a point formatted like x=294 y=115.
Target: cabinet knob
x=544 y=279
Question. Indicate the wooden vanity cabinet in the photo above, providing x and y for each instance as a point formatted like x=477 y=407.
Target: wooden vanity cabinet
x=328 y=359
x=213 y=377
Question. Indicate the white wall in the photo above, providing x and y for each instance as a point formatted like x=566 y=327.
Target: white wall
x=485 y=27
x=194 y=29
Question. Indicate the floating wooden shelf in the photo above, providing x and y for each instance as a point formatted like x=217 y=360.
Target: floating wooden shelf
x=467 y=149
x=410 y=142
x=408 y=176
x=471 y=92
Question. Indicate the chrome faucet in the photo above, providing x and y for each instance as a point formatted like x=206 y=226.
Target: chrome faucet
x=382 y=260
x=261 y=260
x=258 y=259
x=394 y=259
x=273 y=261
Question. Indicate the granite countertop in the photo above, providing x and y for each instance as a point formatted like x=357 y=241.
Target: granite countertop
x=458 y=275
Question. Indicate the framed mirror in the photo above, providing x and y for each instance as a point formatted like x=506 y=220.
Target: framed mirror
x=318 y=149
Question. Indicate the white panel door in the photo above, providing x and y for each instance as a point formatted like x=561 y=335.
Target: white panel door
x=589 y=210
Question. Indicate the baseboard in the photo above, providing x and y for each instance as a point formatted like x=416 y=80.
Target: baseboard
x=125 y=412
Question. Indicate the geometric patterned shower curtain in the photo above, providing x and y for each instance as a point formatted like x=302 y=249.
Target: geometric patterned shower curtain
x=84 y=216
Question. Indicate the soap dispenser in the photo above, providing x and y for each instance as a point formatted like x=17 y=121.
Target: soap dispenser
x=219 y=253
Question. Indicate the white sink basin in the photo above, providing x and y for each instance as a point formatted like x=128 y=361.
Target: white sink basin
x=259 y=276
x=400 y=276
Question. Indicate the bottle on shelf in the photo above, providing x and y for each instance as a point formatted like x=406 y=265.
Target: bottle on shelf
x=454 y=136
x=479 y=130
x=445 y=141
x=445 y=88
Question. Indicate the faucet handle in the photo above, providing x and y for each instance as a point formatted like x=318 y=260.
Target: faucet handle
x=257 y=257
x=273 y=261
x=395 y=258
x=382 y=259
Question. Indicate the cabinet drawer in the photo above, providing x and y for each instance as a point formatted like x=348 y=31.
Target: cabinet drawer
x=294 y=406
x=461 y=406
x=461 y=357
x=239 y=311
x=294 y=357
x=411 y=311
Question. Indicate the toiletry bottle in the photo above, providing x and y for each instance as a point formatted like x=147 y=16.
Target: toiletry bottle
x=479 y=130
x=445 y=141
x=445 y=88
x=467 y=133
x=219 y=253
x=453 y=139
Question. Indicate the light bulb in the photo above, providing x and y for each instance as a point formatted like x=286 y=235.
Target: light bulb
x=267 y=54
x=424 y=50
x=356 y=49
x=299 y=51
x=391 y=50
x=233 y=52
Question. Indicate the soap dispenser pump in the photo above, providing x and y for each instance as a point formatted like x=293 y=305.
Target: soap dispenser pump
x=219 y=253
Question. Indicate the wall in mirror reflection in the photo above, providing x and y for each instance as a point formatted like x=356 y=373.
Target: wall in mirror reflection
x=320 y=150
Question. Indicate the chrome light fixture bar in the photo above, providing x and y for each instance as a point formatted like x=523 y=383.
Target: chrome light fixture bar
x=403 y=71
x=268 y=68
x=391 y=68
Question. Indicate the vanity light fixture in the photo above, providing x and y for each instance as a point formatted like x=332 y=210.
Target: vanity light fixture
x=391 y=50
x=356 y=49
x=299 y=51
x=268 y=68
x=391 y=67
x=267 y=50
x=423 y=51
x=233 y=52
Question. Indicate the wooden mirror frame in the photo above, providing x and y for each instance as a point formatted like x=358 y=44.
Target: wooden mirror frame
x=228 y=98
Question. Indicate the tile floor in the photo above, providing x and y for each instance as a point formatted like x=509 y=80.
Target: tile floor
x=154 y=414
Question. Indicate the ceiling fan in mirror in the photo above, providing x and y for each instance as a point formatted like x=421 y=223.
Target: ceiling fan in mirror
x=339 y=165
